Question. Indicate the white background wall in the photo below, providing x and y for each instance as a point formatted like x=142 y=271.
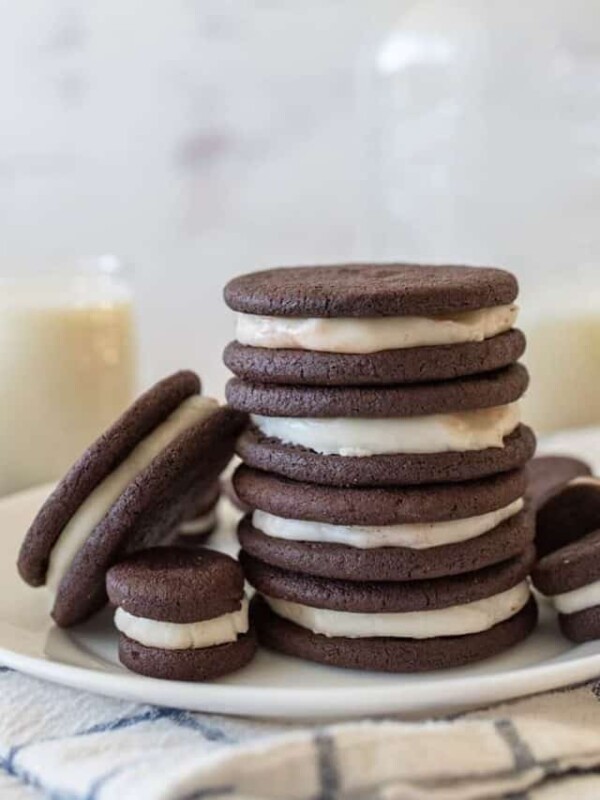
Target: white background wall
x=195 y=138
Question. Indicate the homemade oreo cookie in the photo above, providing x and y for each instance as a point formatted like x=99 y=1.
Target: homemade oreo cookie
x=428 y=433
x=383 y=534
x=393 y=626
x=130 y=490
x=570 y=577
x=182 y=615
x=367 y=324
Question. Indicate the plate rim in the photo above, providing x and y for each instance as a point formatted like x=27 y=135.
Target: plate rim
x=332 y=701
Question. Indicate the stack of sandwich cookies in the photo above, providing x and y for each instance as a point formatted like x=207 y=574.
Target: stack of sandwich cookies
x=130 y=490
x=386 y=450
x=372 y=324
x=202 y=519
x=181 y=614
x=459 y=429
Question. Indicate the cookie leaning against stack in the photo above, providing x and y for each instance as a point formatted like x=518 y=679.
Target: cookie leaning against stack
x=384 y=462
x=130 y=490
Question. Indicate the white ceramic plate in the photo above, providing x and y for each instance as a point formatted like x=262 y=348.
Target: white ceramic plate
x=273 y=686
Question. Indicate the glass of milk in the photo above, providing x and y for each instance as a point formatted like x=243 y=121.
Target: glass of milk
x=67 y=365
x=563 y=355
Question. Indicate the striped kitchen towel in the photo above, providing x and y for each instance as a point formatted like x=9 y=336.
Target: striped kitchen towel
x=67 y=745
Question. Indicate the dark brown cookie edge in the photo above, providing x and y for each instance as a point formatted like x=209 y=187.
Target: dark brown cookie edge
x=472 y=393
x=202 y=664
x=407 y=469
x=383 y=505
x=388 y=367
x=370 y=290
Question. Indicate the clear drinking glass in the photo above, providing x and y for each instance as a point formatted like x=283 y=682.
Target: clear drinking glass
x=67 y=364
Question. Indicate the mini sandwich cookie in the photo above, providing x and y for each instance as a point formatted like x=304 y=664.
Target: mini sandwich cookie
x=131 y=489
x=367 y=324
x=570 y=577
x=456 y=430
x=181 y=615
x=383 y=534
x=393 y=626
x=202 y=519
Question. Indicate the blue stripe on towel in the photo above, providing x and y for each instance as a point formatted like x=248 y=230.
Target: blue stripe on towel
x=522 y=756
x=102 y=727
x=213 y=793
x=327 y=762
x=210 y=731
x=28 y=779
x=101 y=782
x=122 y=722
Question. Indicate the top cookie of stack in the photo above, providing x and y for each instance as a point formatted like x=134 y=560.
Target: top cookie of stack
x=409 y=367
x=367 y=324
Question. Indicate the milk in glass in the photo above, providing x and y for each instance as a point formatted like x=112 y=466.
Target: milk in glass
x=67 y=368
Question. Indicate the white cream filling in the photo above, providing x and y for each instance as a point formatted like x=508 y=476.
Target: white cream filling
x=587 y=480
x=454 y=621
x=183 y=636
x=417 y=536
x=578 y=599
x=203 y=524
x=373 y=334
x=358 y=436
x=96 y=506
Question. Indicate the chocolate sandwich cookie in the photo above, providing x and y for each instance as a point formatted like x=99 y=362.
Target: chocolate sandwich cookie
x=546 y=475
x=570 y=577
x=367 y=324
x=202 y=518
x=182 y=615
x=129 y=490
x=393 y=626
x=570 y=513
x=403 y=533
x=427 y=433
